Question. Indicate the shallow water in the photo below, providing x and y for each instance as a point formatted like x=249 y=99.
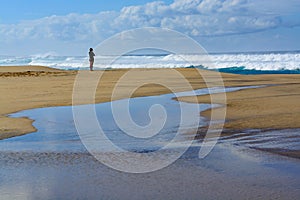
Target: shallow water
x=56 y=130
x=53 y=163
x=227 y=173
x=285 y=142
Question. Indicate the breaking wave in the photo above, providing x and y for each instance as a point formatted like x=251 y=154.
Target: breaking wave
x=243 y=63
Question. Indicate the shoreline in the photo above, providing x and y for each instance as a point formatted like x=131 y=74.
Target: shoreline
x=270 y=107
x=29 y=87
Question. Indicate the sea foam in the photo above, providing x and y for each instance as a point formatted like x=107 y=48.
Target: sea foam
x=259 y=61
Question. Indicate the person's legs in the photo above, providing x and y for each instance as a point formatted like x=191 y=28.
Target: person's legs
x=91 y=65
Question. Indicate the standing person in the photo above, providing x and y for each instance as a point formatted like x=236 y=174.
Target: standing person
x=91 y=55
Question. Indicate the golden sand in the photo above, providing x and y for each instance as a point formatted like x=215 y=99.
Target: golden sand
x=27 y=87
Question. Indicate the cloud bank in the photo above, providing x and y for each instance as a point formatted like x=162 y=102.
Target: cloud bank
x=196 y=18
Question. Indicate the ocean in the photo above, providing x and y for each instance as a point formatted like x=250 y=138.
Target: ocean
x=287 y=62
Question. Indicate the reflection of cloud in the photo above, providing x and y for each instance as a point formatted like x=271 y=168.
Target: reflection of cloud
x=13 y=191
x=192 y=17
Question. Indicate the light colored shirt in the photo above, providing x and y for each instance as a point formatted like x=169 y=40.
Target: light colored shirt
x=91 y=54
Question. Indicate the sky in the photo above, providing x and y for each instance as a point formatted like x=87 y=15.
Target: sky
x=70 y=27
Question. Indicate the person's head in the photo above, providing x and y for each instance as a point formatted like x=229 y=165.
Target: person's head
x=91 y=49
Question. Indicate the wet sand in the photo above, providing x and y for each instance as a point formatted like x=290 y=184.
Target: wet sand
x=30 y=87
x=259 y=112
x=227 y=173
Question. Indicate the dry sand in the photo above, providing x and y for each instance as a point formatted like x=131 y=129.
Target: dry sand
x=27 y=87
x=271 y=107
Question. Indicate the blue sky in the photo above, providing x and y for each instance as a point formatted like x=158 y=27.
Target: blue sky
x=69 y=27
x=13 y=11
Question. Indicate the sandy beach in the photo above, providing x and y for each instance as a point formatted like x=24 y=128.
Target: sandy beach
x=272 y=107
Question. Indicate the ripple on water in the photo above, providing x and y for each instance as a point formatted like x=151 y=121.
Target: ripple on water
x=284 y=142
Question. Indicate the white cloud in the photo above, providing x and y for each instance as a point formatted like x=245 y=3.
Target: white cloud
x=197 y=18
x=67 y=28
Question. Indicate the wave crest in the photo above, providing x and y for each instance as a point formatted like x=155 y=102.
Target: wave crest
x=231 y=61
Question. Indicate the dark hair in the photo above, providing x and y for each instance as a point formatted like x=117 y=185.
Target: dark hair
x=91 y=49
